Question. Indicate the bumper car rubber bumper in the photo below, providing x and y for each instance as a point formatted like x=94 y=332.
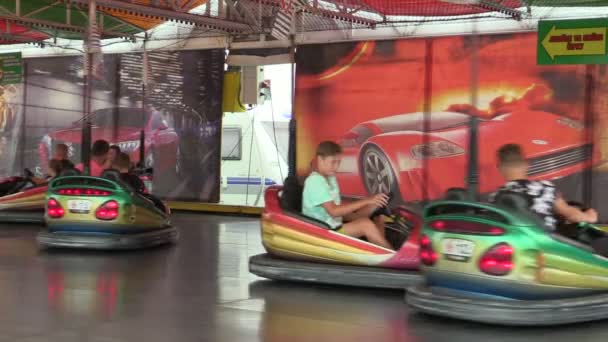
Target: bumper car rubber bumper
x=22 y=216
x=508 y=312
x=107 y=241
x=267 y=266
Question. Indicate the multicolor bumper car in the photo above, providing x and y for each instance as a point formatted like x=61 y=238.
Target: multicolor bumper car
x=303 y=249
x=497 y=264
x=102 y=213
x=21 y=200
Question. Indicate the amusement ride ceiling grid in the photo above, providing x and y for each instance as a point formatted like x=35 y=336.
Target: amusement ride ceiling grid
x=32 y=20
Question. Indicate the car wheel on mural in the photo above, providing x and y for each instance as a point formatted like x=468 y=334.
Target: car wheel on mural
x=377 y=173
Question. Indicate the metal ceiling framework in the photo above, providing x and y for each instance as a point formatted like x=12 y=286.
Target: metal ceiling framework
x=250 y=20
x=164 y=14
x=117 y=19
x=387 y=12
x=348 y=15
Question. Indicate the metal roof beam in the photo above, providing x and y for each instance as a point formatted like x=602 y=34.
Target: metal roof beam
x=352 y=6
x=304 y=6
x=15 y=38
x=164 y=14
x=236 y=11
x=496 y=7
x=248 y=14
x=38 y=10
x=58 y=26
x=339 y=16
x=68 y=13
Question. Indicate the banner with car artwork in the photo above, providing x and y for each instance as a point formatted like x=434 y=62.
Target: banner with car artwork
x=11 y=116
x=371 y=98
x=178 y=109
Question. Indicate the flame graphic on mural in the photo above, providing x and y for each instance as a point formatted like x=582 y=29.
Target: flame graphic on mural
x=496 y=100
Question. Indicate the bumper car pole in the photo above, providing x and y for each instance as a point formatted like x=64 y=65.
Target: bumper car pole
x=292 y=148
x=473 y=169
x=85 y=151
x=428 y=98
x=86 y=146
x=590 y=72
x=144 y=88
x=142 y=141
x=91 y=49
x=291 y=152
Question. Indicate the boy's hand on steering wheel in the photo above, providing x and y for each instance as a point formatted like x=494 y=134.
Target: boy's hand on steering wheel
x=379 y=200
x=591 y=215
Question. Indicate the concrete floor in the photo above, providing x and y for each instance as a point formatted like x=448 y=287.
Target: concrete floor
x=201 y=290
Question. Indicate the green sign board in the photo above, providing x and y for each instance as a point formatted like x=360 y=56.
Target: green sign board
x=577 y=41
x=11 y=68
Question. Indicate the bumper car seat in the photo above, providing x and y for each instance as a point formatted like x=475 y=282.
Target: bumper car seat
x=70 y=172
x=114 y=175
x=454 y=194
x=291 y=201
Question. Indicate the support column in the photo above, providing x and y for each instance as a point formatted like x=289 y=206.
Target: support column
x=428 y=97
x=473 y=167
x=589 y=111
x=292 y=156
x=88 y=87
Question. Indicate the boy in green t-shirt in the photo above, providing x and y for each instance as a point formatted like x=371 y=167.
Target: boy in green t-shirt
x=321 y=200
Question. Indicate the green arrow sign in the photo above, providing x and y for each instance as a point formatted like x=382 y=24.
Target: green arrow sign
x=572 y=41
x=11 y=68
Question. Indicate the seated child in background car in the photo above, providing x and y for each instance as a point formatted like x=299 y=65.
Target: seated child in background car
x=122 y=163
x=55 y=168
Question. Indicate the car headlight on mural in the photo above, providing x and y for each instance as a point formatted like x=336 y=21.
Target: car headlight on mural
x=436 y=149
x=575 y=124
x=129 y=146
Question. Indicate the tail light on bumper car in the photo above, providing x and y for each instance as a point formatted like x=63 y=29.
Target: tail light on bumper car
x=54 y=209
x=427 y=255
x=497 y=260
x=107 y=211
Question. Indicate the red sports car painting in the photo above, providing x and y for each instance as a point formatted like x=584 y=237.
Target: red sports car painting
x=122 y=126
x=387 y=154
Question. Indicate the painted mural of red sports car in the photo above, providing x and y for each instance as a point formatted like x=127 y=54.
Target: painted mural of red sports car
x=387 y=154
x=122 y=126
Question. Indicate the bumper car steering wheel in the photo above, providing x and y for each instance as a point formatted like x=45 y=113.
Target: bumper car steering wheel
x=583 y=232
x=386 y=210
x=27 y=174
